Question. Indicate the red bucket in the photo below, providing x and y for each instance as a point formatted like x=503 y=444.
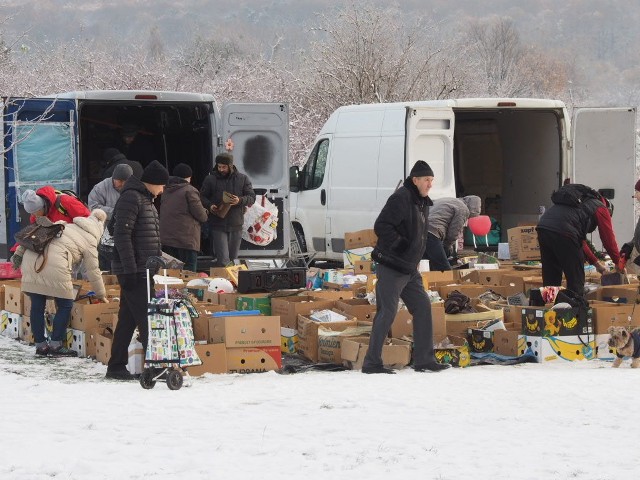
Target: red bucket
x=7 y=271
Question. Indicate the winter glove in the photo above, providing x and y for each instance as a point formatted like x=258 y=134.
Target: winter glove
x=128 y=280
x=626 y=250
x=16 y=261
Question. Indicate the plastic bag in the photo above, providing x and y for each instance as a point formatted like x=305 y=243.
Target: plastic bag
x=260 y=222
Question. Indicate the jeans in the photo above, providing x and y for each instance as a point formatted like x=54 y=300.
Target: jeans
x=60 y=320
x=226 y=246
x=434 y=252
x=189 y=257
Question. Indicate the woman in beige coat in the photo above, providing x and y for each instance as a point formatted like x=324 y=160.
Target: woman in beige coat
x=78 y=242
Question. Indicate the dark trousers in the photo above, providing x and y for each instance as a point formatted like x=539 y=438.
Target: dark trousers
x=434 y=252
x=226 y=246
x=189 y=257
x=559 y=254
x=60 y=320
x=132 y=314
x=391 y=286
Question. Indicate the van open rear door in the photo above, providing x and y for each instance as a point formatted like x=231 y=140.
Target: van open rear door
x=430 y=138
x=259 y=133
x=40 y=149
x=604 y=157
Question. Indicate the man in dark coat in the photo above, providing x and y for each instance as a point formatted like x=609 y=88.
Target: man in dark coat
x=562 y=235
x=112 y=157
x=181 y=214
x=402 y=232
x=136 y=237
x=225 y=223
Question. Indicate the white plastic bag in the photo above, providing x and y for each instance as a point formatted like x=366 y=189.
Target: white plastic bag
x=261 y=222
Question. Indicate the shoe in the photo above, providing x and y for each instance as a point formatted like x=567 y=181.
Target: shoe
x=431 y=367
x=379 y=369
x=62 y=352
x=43 y=351
x=122 y=375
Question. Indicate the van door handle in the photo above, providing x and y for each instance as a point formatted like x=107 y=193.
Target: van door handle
x=323 y=197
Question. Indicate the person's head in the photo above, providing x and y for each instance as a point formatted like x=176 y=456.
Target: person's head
x=111 y=155
x=34 y=203
x=183 y=170
x=636 y=194
x=422 y=177
x=129 y=132
x=474 y=204
x=120 y=174
x=155 y=177
x=224 y=163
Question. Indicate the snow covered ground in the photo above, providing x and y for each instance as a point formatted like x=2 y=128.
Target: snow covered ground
x=62 y=420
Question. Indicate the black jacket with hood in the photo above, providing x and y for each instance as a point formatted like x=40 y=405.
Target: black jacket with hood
x=136 y=229
x=401 y=228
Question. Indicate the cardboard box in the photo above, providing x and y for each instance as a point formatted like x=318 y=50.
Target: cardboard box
x=93 y=317
x=354 y=288
x=603 y=350
x=103 y=343
x=359 y=239
x=288 y=308
x=458 y=324
x=254 y=301
x=366 y=266
x=211 y=297
x=402 y=326
x=253 y=359
x=395 y=353
x=214 y=359
x=545 y=322
x=563 y=348
x=330 y=341
x=13 y=301
x=607 y=314
x=288 y=340
x=82 y=343
x=351 y=256
x=510 y=343
x=452 y=350
x=523 y=243
x=308 y=334
x=480 y=341
x=10 y=324
x=245 y=331
x=357 y=307
x=135 y=363
x=331 y=294
x=616 y=294
x=24 y=331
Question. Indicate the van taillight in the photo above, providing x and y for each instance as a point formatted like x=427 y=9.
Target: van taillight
x=506 y=104
x=146 y=97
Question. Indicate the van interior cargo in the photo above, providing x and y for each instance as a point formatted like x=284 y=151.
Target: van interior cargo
x=501 y=154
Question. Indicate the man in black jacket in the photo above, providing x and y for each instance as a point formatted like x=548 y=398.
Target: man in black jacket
x=402 y=232
x=225 y=223
x=136 y=237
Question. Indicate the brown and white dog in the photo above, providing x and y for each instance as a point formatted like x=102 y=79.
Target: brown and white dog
x=626 y=343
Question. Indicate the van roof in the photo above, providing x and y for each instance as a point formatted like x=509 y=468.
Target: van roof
x=133 y=95
x=465 y=103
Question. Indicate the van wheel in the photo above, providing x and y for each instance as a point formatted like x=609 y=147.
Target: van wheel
x=297 y=257
x=302 y=243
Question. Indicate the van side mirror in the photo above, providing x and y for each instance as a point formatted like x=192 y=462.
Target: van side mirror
x=294 y=179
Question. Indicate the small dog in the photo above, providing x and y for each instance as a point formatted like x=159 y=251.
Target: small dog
x=626 y=343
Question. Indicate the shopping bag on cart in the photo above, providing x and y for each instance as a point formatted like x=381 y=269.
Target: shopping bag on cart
x=260 y=222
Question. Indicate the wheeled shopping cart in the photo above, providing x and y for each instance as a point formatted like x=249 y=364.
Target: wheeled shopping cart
x=171 y=345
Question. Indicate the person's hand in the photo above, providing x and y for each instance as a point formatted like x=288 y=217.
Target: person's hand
x=235 y=200
x=16 y=261
x=103 y=300
x=213 y=208
x=601 y=268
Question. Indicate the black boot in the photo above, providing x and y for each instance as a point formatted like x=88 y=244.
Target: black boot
x=379 y=369
x=431 y=367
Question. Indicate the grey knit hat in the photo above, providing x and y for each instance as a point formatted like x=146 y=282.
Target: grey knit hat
x=32 y=201
x=122 y=171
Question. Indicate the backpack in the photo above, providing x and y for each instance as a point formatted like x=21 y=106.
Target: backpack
x=58 y=203
x=574 y=195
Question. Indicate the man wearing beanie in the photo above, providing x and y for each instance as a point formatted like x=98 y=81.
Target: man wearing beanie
x=402 y=229
x=227 y=211
x=181 y=214
x=104 y=196
x=447 y=218
x=631 y=250
x=562 y=235
x=135 y=228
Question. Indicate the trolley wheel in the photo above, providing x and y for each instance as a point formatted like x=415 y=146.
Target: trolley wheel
x=174 y=380
x=146 y=379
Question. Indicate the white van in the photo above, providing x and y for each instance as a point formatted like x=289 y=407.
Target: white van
x=511 y=152
x=60 y=140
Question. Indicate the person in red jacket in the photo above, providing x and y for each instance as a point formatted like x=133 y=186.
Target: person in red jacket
x=43 y=203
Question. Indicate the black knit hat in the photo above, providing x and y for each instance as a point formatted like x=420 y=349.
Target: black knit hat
x=155 y=174
x=224 y=158
x=182 y=170
x=421 y=169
